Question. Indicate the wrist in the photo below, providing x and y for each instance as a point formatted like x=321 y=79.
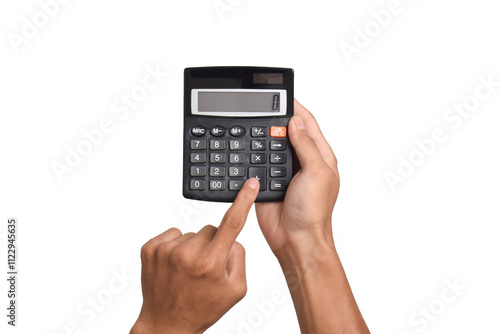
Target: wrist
x=306 y=258
x=304 y=246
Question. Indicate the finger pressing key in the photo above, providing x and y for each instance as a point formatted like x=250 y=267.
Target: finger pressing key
x=235 y=218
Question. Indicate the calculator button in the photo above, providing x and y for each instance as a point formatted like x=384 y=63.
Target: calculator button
x=198 y=144
x=236 y=171
x=218 y=144
x=278 y=145
x=217 y=171
x=198 y=131
x=236 y=158
x=259 y=145
x=278 y=131
x=259 y=131
x=278 y=185
x=237 y=131
x=198 y=158
x=260 y=174
x=217 y=158
x=198 y=185
x=278 y=171
x=258 y=158
x=217 y=184
x=218 y=131
x=278 y=158
x=236 y=145
x=198 y=171
x=236 y=184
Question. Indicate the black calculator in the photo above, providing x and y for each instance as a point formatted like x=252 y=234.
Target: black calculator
x=235 y=128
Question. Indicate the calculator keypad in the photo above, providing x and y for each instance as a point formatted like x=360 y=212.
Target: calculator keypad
x=223 y=159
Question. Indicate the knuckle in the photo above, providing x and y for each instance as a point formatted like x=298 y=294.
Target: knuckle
x=174 y=231
x=163 y=250
x=239 y=247
x=209 y=228
x=179 y=256
x=240 y=290
x=204 y=267
x=148 y=251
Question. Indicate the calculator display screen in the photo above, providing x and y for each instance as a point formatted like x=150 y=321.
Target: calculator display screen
x=238 y=102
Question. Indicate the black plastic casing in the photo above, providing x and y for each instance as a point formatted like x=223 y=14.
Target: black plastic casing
x=239 y=78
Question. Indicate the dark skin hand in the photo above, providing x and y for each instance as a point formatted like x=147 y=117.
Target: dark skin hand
x=191 y=280
x=299 y=232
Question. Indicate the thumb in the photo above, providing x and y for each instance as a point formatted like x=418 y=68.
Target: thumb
x=305 y=147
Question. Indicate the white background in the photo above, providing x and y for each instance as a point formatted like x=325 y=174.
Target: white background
x=398 y=247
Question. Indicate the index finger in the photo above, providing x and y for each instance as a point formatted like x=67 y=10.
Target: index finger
x=235 y=217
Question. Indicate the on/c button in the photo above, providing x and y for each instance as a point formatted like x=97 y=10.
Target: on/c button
x=278 y=131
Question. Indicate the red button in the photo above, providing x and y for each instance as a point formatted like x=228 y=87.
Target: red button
x=278 y=131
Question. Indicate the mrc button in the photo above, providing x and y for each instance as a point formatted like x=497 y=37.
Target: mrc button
x=198 y=131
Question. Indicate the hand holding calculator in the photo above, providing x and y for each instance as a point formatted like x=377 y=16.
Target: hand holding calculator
x=235 y=128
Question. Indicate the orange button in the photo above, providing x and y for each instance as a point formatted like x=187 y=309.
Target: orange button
x=278 y=131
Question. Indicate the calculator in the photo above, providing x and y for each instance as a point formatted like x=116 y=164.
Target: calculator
x=235 y=128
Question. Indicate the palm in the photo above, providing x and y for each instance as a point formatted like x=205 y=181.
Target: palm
x=278 y=219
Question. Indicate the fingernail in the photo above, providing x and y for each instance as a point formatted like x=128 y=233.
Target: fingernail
x=253 y=183
x=299 y=123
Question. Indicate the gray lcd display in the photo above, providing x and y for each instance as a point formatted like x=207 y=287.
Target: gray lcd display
x=238 y=102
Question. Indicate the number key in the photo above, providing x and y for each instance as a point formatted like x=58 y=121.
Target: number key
x=198 y=185
x=217 y=171
x=217 y=184
x=217 y=158
x=198 y=171
x=198 y=157
x=198 y=144
x=236 y=171
x=236 y=158
x=237 y=145
x=217 y=144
